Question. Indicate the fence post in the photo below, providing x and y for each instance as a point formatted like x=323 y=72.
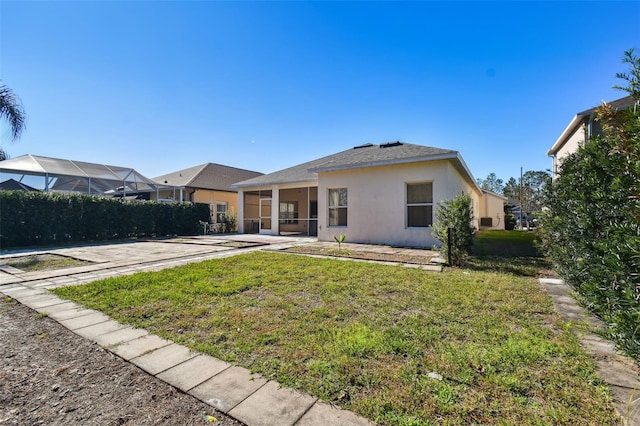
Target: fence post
x=449 y=238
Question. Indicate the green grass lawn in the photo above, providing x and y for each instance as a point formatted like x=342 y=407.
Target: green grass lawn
x=505 y=243
x=366 y=336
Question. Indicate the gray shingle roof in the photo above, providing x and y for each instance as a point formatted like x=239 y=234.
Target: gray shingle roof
x=14 y=185
x=207 y=176
x=368 y=155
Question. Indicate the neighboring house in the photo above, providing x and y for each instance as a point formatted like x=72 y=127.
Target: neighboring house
x=14 y=185
x=207 y=183
x=491 y=215
x=378 y=194
x=580 y=129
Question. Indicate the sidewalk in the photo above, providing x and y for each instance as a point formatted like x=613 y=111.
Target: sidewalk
x=616 y=370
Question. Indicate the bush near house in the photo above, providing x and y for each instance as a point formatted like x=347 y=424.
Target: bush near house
x=37 y=218
x=455 y=214
x=591 y=231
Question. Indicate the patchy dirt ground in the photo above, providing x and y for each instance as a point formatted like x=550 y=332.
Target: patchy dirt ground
x=51 y=376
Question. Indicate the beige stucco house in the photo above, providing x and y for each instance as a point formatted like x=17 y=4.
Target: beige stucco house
x=208 y=183
x=377 y=194
x=580 y=129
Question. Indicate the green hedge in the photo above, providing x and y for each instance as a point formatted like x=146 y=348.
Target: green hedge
x=37 y=218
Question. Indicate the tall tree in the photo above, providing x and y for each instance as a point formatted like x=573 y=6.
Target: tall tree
x=492 y=183
x=11 y=110
x=528 y=189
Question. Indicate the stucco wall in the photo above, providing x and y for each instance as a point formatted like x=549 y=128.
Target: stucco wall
x=570 y=146
x=204 y=196
x=210 y=197
x=377 y=201
x=493 y=206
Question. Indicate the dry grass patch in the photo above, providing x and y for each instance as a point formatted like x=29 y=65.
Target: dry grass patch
x=43 y=262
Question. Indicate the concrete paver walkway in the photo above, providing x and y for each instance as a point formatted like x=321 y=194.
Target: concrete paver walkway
x=615 y=369
x=233 y=390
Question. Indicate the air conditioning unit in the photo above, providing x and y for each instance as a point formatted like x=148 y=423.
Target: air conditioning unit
x=486 y=222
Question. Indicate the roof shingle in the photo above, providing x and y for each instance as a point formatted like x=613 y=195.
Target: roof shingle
x=207 y=176
x=367 y=155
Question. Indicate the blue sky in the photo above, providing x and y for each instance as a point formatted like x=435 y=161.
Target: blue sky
x=161 y=86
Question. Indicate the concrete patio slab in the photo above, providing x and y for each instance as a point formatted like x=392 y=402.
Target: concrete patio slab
x=91 y=332
x=140 y=346
x=163 y=358
x=10 y=269
x=551 y=281
x=7 y=279
x=43 y=301
x=42 y=295
x=22 y=292
x=271 y=405
x=193 y=372
x=629 y=401
x=322 y=414
x=117 y=337
x=229 y=388
x=71 y=313
x=61 y=307
x=84 y=320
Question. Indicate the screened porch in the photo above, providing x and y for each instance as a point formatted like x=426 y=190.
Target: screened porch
x=287 y=211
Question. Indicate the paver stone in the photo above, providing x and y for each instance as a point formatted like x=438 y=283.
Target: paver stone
x=193 y=372
x=163 y=358
x=271 y=405
x=227 y=389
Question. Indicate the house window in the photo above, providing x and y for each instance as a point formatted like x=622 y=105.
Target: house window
x=419 y=205
x=338 y=207
x=289 y=212
x=221 y=211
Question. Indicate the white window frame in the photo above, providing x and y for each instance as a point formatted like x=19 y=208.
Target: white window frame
x=336 y=208
x=218 y=212
x=408 y=205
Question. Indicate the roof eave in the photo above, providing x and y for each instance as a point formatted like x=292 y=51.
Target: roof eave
x=575 y=122
x=465 y=169
x=271 y=183
x=495 y=194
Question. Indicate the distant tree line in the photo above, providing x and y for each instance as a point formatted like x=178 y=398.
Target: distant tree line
x=525 y=192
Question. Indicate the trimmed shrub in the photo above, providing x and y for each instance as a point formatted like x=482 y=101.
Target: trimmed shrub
x=456 y=214
x=38 y=218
